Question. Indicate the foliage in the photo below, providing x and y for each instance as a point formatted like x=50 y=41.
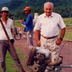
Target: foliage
x=4 y=1
x=63 y=7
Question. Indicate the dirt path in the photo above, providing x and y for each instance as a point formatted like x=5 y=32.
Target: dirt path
x=22 y=45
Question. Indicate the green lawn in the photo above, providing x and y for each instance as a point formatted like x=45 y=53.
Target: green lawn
x=68 y=35
x=68 y=22
x=10 y=64
x=17 y=23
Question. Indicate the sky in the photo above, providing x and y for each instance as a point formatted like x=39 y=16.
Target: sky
x=4 y=1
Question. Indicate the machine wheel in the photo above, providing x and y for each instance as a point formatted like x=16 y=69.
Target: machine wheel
x=36 y=68
x=17 y=36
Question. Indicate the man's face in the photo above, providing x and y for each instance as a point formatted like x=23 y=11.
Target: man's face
x=4 y=14
x=48 y=10
x=26 y=12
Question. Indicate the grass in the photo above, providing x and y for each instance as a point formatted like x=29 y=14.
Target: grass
x=68 y=22
x=68 y=35
x=17 y=23
x=10 y=65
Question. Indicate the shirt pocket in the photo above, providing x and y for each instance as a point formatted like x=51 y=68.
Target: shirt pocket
x=53 y=24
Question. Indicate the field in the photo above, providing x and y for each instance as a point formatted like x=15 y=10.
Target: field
x=21 y=47
x=68 y=22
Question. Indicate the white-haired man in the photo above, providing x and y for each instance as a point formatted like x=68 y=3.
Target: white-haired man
x=47 y=30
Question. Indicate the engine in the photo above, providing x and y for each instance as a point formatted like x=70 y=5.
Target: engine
x=38 y=58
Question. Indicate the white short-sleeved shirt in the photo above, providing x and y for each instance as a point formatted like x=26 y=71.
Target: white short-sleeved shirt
x=49 y=27
x=8 y=28
x=34 y=21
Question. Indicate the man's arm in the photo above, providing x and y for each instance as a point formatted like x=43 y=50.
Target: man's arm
x=58 y=42
x=37 y=32
x=27 y=21
x=62 y=33
x=11 y=30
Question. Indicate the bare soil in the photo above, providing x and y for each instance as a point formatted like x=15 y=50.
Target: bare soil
x=65 y=51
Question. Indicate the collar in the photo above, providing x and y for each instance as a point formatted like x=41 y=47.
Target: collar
x=50 y=16
x=29 y=14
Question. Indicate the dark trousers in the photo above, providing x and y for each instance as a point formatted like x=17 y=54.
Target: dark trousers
x=4 y=46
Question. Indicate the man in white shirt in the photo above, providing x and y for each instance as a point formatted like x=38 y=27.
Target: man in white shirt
x=4 y=44
x=35 y=19
x=47 y=30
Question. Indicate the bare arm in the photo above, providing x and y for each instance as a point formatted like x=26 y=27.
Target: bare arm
x=62 y=33
x=58 y=42
x=37 y=32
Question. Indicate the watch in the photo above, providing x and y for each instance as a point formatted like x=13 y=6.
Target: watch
x=61 y=39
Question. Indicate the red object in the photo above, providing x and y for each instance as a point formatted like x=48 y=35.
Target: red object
x=21 y=21
x=27 y=8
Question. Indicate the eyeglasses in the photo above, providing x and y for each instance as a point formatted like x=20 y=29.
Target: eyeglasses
x=5 y=11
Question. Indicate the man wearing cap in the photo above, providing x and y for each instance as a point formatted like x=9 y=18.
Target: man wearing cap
x=4 y=44
x=48 y=25
x=29 y=26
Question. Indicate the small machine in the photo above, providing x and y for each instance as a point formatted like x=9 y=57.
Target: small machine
x=39 y=59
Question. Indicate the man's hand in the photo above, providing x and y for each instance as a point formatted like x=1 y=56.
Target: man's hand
x=58 y=42
x=24 y=30
x=39 y=43
x=21 y=21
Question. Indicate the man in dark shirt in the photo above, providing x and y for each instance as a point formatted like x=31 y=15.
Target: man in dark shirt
x=29 y=26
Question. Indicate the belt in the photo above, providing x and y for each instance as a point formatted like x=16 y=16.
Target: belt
x=49 y=37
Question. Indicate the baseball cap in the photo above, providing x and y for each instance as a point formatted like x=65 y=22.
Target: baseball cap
x=4 y=9
x=26 y=8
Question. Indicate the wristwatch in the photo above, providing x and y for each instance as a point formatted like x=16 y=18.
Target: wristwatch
x=61 y=39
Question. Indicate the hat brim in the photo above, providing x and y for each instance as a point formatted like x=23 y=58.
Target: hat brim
x=24 y=9
x=4 y=10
